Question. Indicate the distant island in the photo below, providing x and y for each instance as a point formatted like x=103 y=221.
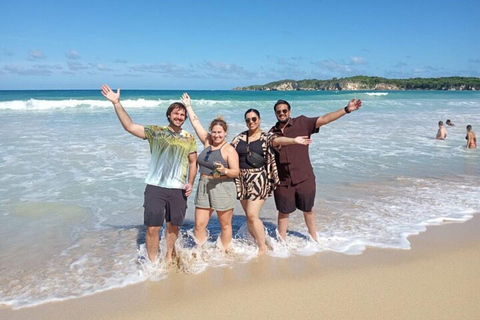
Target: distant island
x=369 y=83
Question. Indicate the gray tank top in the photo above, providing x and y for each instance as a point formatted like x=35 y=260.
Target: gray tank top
x=206 y=159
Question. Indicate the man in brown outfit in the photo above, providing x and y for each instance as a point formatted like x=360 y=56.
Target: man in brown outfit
x=297 y=180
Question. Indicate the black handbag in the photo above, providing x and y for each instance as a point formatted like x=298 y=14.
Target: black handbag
x=254 y=159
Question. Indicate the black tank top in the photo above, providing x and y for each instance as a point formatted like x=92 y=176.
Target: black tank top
x=255 y=146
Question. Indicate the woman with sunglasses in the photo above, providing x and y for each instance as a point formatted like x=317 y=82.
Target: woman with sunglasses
x=218 y=165
x=258 y=171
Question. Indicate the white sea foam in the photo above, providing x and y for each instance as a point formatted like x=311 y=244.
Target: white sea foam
x=72 y=104
x=376 y=93
x=34 y=104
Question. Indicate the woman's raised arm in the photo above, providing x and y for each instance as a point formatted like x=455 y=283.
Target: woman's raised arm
x=202 y=134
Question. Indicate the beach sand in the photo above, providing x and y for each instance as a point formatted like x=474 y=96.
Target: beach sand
x=437 y=279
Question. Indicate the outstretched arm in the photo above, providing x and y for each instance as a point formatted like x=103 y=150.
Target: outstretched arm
x=197 y=125
x=127 y=123
x=284 y=141
x=332 y=116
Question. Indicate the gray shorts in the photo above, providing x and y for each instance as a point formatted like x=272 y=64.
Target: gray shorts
x=164 y=204
x=217 y=194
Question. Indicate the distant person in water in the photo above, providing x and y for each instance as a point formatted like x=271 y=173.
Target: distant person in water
x=471 y=138
x=174 y=155
x=442 y=132
x=450 y=123
x=297 y=180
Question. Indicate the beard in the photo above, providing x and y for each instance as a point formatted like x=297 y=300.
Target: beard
x=174 y=125
x=283 y=121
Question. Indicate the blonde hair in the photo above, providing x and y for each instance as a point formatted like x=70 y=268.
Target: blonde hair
x=219 y=121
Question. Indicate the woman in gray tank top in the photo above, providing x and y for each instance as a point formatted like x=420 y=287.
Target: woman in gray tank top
x=216 y=190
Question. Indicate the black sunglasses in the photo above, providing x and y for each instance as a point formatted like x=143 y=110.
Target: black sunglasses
x=252 y=119
x=284 y=111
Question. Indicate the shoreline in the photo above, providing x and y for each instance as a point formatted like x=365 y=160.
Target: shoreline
x=436 y=278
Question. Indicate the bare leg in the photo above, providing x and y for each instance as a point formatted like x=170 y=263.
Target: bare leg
x=255 y=225
x=282 y=225
x=202 y=216
x=151 y=240
x=249 y=226
x=310 y=222
x=225 y=218
x=171 y=238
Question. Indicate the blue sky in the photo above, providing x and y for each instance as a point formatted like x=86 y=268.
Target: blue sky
x=224 y=44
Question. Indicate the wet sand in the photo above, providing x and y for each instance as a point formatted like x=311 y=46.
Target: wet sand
x=437 y=279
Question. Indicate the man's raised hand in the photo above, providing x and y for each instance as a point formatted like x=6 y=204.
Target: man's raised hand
x=111 y=96
x=354 y=104
x=186 y=99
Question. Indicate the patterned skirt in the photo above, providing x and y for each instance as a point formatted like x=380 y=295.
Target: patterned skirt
x=252 y=184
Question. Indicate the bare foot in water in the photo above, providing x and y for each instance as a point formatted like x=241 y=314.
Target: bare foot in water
x=262 y=251
x=171 y=264
x=171 y=261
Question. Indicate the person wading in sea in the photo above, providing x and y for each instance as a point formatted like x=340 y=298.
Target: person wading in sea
x=297 y=180
x=174 y=154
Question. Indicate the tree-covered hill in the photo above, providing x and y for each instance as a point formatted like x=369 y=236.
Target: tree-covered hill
x=371 y=83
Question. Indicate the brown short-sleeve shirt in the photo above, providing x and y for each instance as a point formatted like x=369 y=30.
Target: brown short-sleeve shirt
x=293 y=161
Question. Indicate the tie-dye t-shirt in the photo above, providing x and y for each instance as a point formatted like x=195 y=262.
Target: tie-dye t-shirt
x=169 y=162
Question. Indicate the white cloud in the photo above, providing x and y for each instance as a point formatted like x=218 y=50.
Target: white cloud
x=36 y=54
x=28 y=71
x=226 y=70
x=357 y=60
x=101 y=67
x=167 y=68
x=47 y=67
x=334 y=66
x=76 y=66
x=206 y=69
x=73 y=55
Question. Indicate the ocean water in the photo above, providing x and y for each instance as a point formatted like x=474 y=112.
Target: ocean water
x=72 y=182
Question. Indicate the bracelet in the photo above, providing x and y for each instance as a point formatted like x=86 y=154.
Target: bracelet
x=114 y=103
x=346 y=109
x=225 y=173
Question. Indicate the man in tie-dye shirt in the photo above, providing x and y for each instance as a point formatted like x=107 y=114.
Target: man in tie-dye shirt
x=174 y=156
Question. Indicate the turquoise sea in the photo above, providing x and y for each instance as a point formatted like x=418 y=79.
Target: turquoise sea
x=72 y=182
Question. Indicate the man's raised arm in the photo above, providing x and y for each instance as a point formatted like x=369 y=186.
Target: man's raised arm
x=332 y=116
x=127 y=123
